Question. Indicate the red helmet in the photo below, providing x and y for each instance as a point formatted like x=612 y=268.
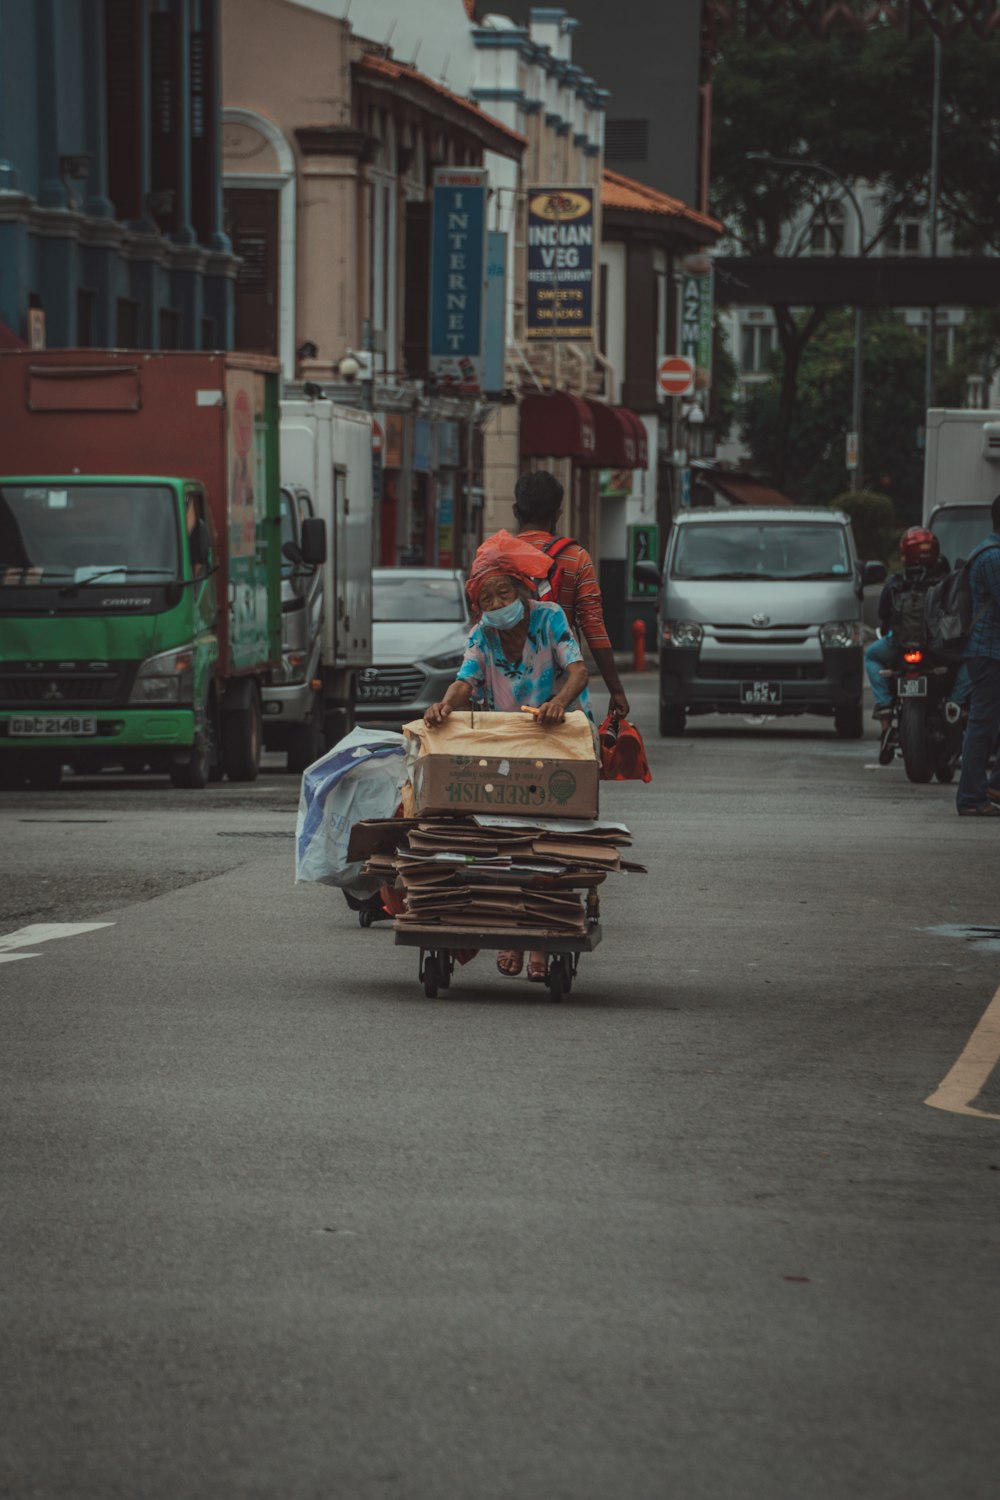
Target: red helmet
x=918 y=547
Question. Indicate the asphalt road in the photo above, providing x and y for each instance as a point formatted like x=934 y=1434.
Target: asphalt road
x=274 y=1225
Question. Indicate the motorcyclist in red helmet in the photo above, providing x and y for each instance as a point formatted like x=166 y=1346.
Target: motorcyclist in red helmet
x=920 y=554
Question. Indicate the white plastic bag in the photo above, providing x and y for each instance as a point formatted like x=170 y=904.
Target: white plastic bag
x=361 y=777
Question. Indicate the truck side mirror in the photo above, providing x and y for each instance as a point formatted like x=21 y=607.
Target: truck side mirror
x=647 y=572
x=199 y=543
x=314 y=542
x=873 y=572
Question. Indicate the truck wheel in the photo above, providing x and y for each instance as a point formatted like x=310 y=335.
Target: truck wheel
x=914 y=743
x=849 y=722
x=672 y=719
x=203 y=766
x=336 y=723
x=308 y=744
x=242 y=734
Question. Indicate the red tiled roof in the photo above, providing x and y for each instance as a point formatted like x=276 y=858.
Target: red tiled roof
x=635 y=197
x=387 y=67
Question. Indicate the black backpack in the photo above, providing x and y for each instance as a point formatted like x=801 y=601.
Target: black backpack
x=906 y=618
x=948 y=616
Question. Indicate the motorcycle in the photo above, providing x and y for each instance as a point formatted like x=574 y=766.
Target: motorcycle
x=926 y=727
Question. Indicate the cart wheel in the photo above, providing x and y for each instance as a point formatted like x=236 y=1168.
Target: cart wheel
x=569 y=972
x=444 y=969
x=431 y=976
x=364 y=919
x=557 y=981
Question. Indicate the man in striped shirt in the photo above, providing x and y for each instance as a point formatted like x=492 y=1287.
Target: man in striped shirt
x=538 y=502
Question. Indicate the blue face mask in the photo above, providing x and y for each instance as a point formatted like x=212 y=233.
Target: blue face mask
x=505 y=618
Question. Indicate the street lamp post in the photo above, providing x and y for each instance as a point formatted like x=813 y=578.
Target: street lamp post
x=815 y=166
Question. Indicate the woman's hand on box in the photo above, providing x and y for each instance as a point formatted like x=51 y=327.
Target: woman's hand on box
x=553 y=712
x=436 y=714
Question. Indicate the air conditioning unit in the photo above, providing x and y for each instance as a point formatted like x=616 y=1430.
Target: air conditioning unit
x=991 y=441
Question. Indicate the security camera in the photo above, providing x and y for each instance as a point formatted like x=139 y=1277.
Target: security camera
x=349 y=368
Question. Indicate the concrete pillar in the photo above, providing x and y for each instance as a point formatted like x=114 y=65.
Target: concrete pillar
x=52 y=190
x=97 y=203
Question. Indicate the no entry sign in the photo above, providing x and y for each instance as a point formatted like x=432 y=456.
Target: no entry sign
x=675 y=375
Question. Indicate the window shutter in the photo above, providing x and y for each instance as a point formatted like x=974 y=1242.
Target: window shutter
x=416 y=289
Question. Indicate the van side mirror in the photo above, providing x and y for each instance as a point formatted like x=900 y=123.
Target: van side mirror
x=874 y=572
x=647 y=572
x=199 y=543
x=314 y=542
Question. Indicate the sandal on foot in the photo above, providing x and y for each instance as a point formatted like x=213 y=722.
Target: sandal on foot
x=510 y=962
x=536 y=970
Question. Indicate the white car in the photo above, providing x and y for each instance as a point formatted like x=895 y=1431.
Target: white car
x=420 y=627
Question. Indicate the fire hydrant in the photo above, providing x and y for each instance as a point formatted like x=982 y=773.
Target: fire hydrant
x=638 y=645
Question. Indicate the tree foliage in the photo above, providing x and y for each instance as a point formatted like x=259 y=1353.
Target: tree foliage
x=860 y=105
x=892 y=414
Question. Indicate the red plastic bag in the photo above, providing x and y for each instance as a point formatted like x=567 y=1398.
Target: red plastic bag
x=623 y=755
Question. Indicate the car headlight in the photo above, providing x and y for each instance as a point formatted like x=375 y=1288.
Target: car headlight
x=682 y=633
x=450 y=662
x=167 y=678
x=841 y=633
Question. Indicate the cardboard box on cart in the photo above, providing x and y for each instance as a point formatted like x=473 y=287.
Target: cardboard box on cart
x=505 y=763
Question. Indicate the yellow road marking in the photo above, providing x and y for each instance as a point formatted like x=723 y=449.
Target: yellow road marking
x=968 y=1077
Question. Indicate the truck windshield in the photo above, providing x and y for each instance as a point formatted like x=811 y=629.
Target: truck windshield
x=399 y=597
x=960 y=528
x=75 y=533
x=785 y=550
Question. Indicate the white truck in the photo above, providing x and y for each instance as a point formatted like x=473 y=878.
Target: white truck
x=961 y=477
x=326 y=609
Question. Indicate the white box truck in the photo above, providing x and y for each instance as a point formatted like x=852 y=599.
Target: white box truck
x=326 y=473
x=961 y=477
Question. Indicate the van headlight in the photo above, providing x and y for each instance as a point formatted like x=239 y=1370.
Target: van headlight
x=450 y=662
x=682 y=633
x=841 y=633
x=167 y=678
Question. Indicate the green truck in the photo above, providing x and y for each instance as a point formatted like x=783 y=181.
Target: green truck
x=140 y=541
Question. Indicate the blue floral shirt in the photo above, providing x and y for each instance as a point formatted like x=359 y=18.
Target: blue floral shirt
x=507 y=686
x=984 y=581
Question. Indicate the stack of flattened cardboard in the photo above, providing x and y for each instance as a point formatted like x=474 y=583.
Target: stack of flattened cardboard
x=494 y=874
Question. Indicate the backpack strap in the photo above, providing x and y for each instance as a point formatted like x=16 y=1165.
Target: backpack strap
x=557 y=545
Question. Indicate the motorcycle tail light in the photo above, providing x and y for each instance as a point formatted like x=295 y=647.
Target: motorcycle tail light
x=913 y=657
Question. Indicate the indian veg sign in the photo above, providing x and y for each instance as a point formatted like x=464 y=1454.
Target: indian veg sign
x=458 y=274
x=560 y=302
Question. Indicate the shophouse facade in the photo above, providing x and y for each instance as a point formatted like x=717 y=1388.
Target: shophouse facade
x=330 y=147
x=111 y=229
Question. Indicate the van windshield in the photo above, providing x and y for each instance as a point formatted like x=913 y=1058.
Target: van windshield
x=82 y=533
x=784 y=550
x=960 y=528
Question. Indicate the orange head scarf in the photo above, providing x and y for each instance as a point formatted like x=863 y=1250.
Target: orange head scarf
x=503 y=553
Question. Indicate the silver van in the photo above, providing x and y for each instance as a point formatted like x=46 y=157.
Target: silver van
x=760 y=613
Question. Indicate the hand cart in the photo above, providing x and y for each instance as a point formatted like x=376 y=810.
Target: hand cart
x=438 y=945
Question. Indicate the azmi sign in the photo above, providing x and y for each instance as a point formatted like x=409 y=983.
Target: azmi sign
x=458 y=275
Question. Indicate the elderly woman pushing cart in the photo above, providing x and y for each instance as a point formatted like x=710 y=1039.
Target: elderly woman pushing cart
x=521 y=655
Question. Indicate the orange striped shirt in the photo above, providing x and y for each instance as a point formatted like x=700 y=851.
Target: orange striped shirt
x=580 y=592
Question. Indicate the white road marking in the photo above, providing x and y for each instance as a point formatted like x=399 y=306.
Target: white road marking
x=41 y=932
x=968 y=1077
